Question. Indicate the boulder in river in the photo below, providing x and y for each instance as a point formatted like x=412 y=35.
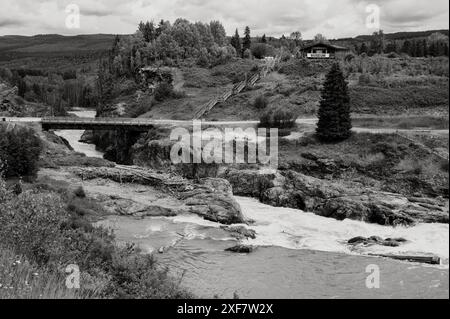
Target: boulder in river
x=210 y=198
x=240 y=232
x=241 y=249
x=375 y=240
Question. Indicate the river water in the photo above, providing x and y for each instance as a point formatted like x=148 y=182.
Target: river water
x=298 y=255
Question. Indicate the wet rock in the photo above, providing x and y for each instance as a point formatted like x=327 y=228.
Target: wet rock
x=357 y=240
x=335 y=200
x=375 y=240
x=216 y=207
x=249 y=182
x=210 y=198
x=241 y=249
x=240 y=232
x=88 y=137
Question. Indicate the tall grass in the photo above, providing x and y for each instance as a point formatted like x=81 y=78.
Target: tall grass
x=21 y=279
x=47 y=228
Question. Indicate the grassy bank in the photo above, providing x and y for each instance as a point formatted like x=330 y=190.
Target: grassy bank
x=403 y=122
x=46 y=226
x=386 y=162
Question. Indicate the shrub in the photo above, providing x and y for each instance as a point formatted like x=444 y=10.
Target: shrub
x=165 y=91
x=393 y=55
x=69 y=74
x=259 y=50
x=19 y=151
x=79 y=192
x=349 y=57
x=279 y=118
x=135 y=276
x=260 y=102
x=365 y=79
x=37 y=226
x=31 y=226
x=444 y=165
x=247 y=54
x=140 y=109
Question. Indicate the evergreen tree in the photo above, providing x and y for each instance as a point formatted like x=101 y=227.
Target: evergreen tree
x=263 y=39
x=334 y=111
x=363 y=48
x=425 y=48
x=419 y=49
x=391 y=47
x=247 y=42
x=406 y=48
x=159 y=30
x=236 y=42
x=22 y=87
x=432 y=50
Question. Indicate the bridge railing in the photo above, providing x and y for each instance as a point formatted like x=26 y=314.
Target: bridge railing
x=95 y=121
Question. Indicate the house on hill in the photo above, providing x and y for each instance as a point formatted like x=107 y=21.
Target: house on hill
x=323 y=51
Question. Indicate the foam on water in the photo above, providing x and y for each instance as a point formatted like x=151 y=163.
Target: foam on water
x=295 y=229
x=74 y=136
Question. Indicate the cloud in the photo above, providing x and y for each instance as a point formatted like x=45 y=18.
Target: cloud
x=334 y=18
x=10 y=23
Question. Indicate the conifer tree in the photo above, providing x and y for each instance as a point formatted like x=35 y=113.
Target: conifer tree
x=236 y=42
x=247 y=42
x=263 y=39
x=334 y=111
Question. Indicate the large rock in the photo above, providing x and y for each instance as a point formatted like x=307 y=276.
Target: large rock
x=155 y=154
x=328 y=199
x=211 y=198
x=375 y=240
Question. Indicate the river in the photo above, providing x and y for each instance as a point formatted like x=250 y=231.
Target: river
x=298 y=255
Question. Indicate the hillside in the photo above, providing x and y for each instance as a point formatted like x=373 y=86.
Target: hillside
x=14 y=47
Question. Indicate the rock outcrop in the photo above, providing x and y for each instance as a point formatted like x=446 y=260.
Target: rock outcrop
x=155 y=154
x=339 y=201
x=210 y=198
x=241 y=249
x=375 y=240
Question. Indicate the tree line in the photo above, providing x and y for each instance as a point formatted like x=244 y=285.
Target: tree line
x=434 y=45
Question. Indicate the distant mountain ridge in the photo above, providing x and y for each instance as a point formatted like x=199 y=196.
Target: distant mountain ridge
x=52 y=43
x=60 y=44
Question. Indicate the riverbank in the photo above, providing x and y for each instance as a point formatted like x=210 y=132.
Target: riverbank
x=291 y=247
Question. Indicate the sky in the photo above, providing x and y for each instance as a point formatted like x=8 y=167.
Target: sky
x=332 y=18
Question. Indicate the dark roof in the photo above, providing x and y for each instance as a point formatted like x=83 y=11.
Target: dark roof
x=323 y=44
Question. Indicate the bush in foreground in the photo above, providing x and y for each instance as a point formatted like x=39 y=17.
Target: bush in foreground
x=38 y=226
x=20 y=148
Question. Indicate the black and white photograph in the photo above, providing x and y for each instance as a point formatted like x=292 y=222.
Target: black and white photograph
x=224 y=156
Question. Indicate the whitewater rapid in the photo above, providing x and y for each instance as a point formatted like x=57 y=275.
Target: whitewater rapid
x=74 y=136
x=276 y=226
x=295 y=229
